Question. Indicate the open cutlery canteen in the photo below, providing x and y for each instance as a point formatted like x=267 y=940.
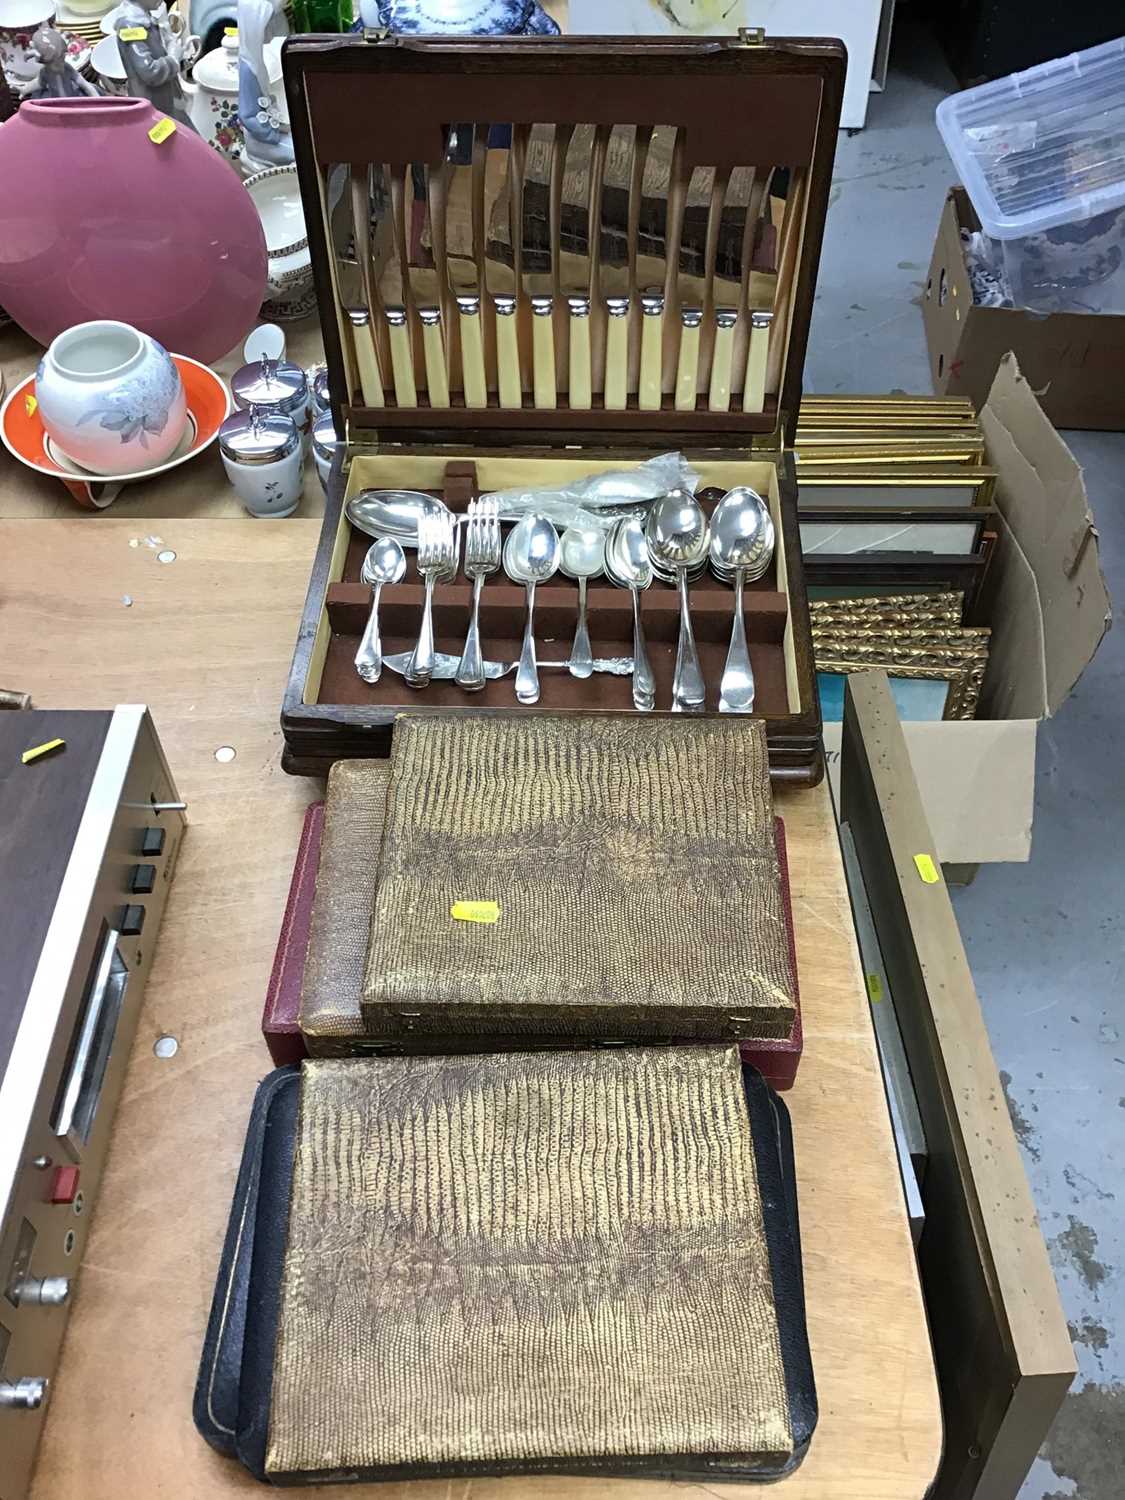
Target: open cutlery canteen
x=618 y=260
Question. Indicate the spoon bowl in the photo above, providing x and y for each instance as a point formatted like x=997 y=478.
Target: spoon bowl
x=741 y=530
x=676 y=531
x=582 y=552
x=385 y=562
x=393 y=513
x=531 y=553
x=627 y=558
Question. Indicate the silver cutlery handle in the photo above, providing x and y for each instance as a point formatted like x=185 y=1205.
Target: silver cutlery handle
x=644 y=686
x=527 y=673
x=688 y=691
x=737 y=690
x=581 y=656
x=421 y=667
x=470 y=669
x=369 y=657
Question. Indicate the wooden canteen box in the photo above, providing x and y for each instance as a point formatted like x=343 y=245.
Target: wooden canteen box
x=620 y=262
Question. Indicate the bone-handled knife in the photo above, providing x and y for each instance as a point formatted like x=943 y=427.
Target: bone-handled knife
x=413 y=205
x=733 y=246
x=362 y=316
x=537 y=267
x=761 y=291
x=466 y=161
x=694 y=262
x=618 y=212
x=657 y=231
x=581 y=183
x=394 y=287
x=500 y=251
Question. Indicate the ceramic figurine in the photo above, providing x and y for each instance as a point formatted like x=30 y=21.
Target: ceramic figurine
x=19 y=20
x=111 y=398
x=58 y=78
x=267 y=138
x=186 y=261
x=8 y=104
x=459 y=17
x=150 y=72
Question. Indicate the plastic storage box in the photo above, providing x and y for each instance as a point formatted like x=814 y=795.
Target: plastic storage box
x=1042 y=157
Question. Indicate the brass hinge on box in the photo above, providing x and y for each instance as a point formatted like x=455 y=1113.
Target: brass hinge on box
x=752 y=36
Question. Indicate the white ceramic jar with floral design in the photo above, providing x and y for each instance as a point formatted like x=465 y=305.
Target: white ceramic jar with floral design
x=111 y=398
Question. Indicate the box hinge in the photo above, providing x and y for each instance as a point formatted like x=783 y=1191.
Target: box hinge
x=376 y=33
x=752 y=36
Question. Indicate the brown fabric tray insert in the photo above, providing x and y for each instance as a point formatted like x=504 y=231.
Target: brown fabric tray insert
x=610 y=617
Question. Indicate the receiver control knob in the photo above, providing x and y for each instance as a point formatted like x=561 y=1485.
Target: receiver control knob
x=43 y=1291
x=25 y=1394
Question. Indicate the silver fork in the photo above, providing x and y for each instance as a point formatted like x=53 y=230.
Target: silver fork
x=482 y=557
x=437 y=560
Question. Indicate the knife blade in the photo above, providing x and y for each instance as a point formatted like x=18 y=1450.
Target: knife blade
x=581 y=181
x=364 y=315
x=537 y=263
x=465 y=162
x=618 y=212
x=733 y=247
x=761 y=291
x=696 y=252
x=394 y=289
x=424 y=283
x=657 y=234
x=500 y=255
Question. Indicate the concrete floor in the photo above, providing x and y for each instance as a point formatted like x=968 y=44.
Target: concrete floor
x=1045 y=939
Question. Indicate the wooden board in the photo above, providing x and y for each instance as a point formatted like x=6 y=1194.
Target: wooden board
x=1000 y=1338
x=207 y=642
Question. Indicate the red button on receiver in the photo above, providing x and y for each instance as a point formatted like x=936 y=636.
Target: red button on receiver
x=64 y=1185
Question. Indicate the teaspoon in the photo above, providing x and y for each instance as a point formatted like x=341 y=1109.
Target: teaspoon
x=741 y=543
x=531 y=556
x=582 y=556
x=628 y=564
x=385 y=563
x=677 y=535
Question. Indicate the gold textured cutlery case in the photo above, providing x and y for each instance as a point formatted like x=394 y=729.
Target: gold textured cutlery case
x=619 y=262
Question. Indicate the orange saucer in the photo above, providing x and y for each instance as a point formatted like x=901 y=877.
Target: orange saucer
x=23 y=434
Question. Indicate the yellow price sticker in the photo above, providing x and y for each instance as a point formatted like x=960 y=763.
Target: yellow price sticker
x=926 y=868
x=875 y=988
x=38 y=751
x=161 y=130
x=132 y=34
x=30 y=405
x=475 y=911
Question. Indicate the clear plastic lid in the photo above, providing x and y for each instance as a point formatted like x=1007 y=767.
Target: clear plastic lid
x=1044 y=147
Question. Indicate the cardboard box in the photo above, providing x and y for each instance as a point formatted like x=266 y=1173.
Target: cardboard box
x=1046 y=601
x=1073 y=361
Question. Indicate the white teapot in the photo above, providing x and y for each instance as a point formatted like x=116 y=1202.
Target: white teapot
x=212 y=97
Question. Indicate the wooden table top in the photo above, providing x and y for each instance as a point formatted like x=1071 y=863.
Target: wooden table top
x=206 y=643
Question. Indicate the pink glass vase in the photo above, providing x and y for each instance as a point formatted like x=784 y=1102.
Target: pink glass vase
x=99 y=221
